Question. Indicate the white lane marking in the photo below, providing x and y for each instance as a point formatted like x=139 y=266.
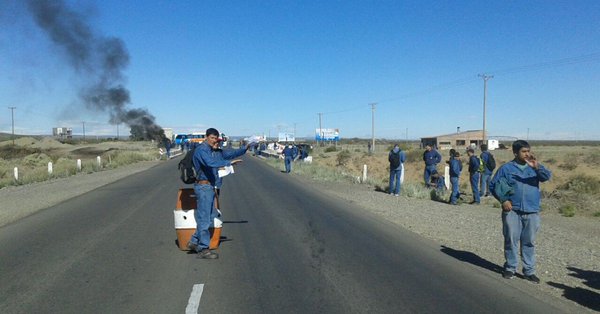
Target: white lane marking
x=194 y=301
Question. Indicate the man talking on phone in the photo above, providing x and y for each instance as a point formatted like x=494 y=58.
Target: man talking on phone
x=517 y=186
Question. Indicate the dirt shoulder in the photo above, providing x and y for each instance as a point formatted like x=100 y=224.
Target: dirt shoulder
x=24 y=200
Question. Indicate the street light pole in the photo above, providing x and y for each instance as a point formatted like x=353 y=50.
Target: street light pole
x=12 y=116
x=485 y=79
x=83 y=122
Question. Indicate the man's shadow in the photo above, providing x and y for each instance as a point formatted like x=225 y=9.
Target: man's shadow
x=471 y=258
x=584 y=297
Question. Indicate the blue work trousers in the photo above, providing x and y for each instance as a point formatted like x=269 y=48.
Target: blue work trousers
x=395 y=181
x=475 y=186
x=520 y=228
x=455 y=194
x=205 y=197
x=429 y=169
x=486 y=178
x=288 y=163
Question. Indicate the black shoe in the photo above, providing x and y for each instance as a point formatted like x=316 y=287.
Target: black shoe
x=533 y=278
x=207 y=254
x=192 y=246
x=507 y=274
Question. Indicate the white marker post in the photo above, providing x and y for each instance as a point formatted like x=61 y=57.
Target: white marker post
x=364 y=177
x=16 y=173
x=99 y=161
x=50 y=168
x=78 y=164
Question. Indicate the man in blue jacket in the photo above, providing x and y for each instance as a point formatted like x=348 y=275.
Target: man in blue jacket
x=205 y=161
x=517 y=186
x=474 y=174
x=396 y=158
x=431 y=158
x=289 y=155
x=486 y=175
x=455 y=170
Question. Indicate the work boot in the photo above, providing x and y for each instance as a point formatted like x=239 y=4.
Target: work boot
x=192 y=246
x=207 y=254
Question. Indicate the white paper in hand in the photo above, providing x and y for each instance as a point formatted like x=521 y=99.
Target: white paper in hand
x=225 y=171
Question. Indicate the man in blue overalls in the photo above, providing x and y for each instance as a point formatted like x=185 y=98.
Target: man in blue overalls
x=289 y=156
x=431 y=158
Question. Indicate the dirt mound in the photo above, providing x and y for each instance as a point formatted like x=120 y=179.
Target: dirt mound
x=22 y=141
x=50 y=143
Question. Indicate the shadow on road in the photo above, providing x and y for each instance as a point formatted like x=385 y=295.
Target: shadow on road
x=471 y=258
x=235 y=221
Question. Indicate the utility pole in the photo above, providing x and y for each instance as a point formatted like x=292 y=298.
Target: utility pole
x=373 y=126
x=485 y=79
x=320 y=128
x=118 y=131
x=83 y=122
x=12 y=115
x=294 y=130
x=527 y=134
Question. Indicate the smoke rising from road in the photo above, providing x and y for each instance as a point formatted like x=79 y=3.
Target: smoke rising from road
x=99 y=61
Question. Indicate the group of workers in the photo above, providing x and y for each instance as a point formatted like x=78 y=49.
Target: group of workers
x=515 y=185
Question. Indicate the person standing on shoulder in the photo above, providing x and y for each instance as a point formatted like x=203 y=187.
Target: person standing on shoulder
x=455 y=170
x=396 y=159
x=516 y=185
x=475 y=166
x=289 y=155
x=431 y=158
x=486 y=175
x=205 y=161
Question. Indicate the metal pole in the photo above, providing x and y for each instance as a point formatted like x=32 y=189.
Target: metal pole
x=83 y=122
x=373 y=126
x=118 y=131
x=485 y=79
x=12 y=115
x=320 y=128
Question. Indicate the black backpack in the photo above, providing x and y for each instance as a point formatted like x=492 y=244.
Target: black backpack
x=394 y=160
x=491 y=164
x=186 y=166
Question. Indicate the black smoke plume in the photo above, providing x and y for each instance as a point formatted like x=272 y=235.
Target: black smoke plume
x=100 y=60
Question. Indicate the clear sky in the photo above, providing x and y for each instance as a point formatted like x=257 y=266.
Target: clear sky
x=259 y=67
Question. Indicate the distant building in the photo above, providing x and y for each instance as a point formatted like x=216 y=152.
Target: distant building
x=62 y=132
x=455 y=140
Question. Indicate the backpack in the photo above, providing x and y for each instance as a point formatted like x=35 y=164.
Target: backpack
x=481 y=165
x=491 y=164
x=394 y=160
x=186 y=166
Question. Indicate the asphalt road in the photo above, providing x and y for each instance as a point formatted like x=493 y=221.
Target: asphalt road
x=287 y=248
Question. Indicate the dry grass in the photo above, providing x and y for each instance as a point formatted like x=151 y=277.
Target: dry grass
x=32 y=155
x=574 y=188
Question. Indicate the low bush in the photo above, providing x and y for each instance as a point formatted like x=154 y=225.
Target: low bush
x=330 y=149
x=567 y=210
x=582 y=183
x=568 y=166
x=343 y=157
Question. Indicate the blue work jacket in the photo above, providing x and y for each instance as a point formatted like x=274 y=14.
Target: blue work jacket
x=205 y=160
x=227 y=154
x=432 y=157
x=519 y=186
x=455 y=167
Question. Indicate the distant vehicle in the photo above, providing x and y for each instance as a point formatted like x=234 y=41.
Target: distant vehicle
x=195 y=138
x=180 y=139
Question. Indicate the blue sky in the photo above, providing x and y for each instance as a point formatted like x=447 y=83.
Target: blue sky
x=254 y=67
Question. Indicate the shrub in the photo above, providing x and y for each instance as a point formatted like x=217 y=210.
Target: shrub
x=582 y=184
x=567 y=210
x=343 y=157
x=568 y=166
x=330 y=149
x=593 y=158
x=414 y=155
